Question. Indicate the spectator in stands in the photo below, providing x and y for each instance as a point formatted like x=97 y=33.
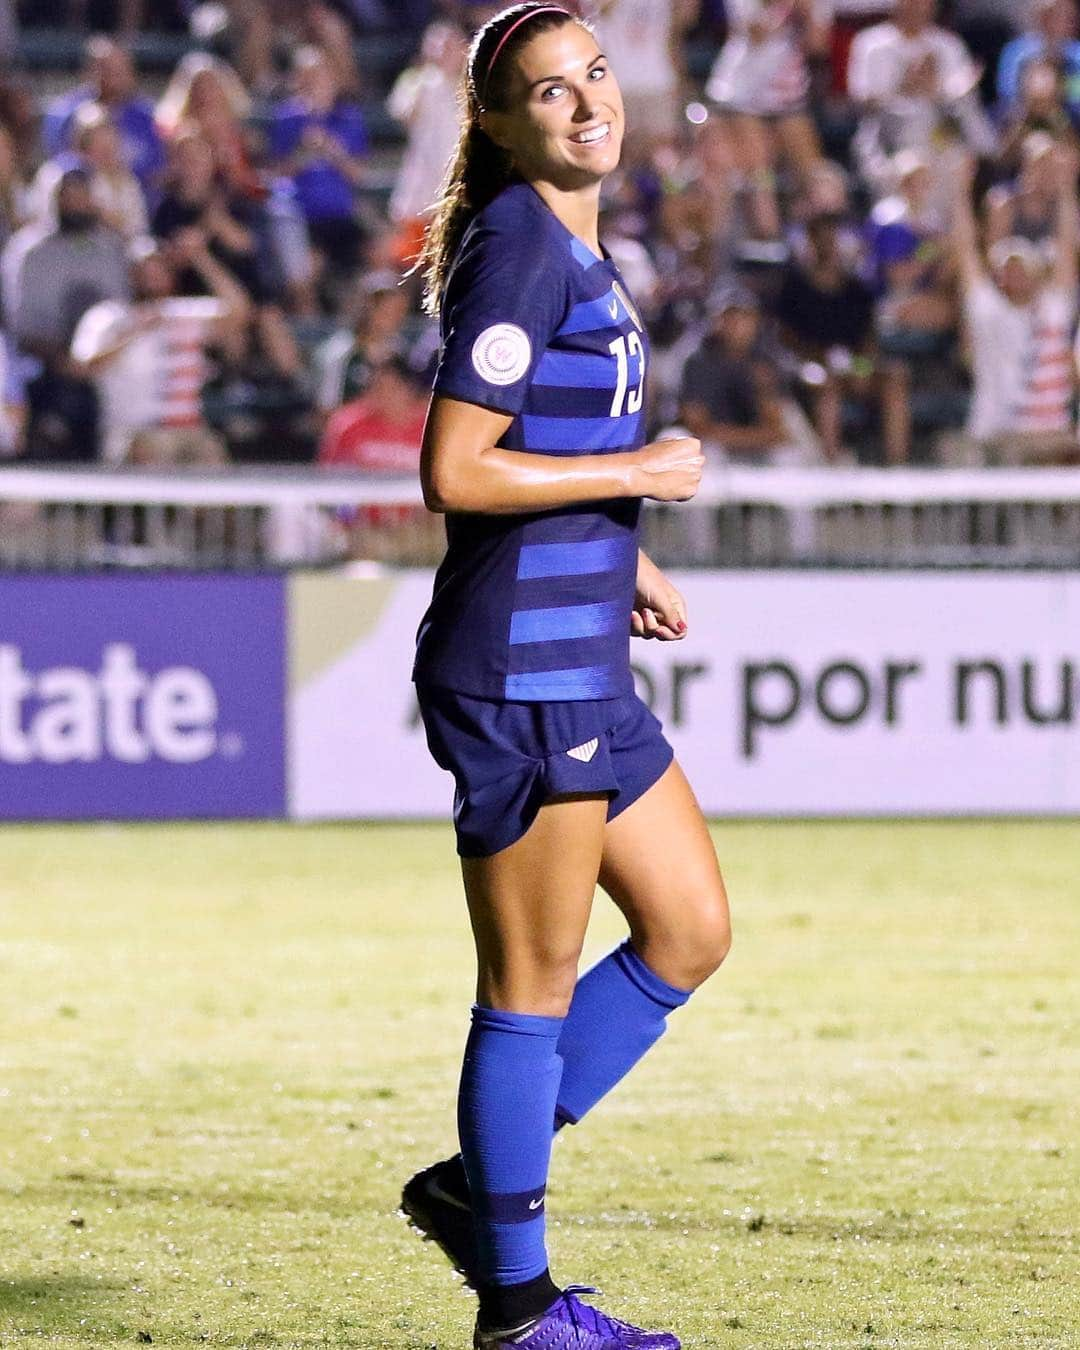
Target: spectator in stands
x=147 y=358
x=644 y=40
x=64 y=271
x=826 y=313
x=346 y=361
x=319 y=141
x=120 y=200
x=263 y=28
x=743 y=187
x=96 y=146
x=827 y=194
x=205 y=93
x=698 y=236
x=231 y=225
x=1040 y=108
x=258 y=397
x=762 y=78
x=194 y=196
x=908 y=76
x=731 y=393
x=1020 y=321
x=382 y=429
x=381 y=432
x=12 y=401
x=700 y=227
x=1052 y=42
x=424 y=100
x=1027 y=207
x=21 y=119
x=911 y=256
x=110 y=81
x=15 y=200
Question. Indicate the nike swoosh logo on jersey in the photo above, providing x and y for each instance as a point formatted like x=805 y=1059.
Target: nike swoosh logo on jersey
x=585 y=752
x=628 y=305
x=535 y=1204
x=613 y=308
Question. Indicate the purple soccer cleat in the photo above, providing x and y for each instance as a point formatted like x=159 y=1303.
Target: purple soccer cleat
x=570 y=1324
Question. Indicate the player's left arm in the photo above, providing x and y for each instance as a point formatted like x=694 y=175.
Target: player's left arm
x=659 y=609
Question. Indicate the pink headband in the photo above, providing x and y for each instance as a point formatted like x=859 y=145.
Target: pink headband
x=545 y=9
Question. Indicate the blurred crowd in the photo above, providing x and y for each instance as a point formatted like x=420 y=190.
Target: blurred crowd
x=852 y=225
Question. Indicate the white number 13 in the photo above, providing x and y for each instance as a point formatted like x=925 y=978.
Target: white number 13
x=622 y=349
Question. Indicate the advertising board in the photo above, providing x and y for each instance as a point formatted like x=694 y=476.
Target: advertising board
x=141 y=697
x=800 y=693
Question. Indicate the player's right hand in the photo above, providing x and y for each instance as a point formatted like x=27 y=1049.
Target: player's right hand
x=671 y=469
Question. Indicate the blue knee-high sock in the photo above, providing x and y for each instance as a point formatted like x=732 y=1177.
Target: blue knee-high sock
x=619 y=1011
x=509 y=1087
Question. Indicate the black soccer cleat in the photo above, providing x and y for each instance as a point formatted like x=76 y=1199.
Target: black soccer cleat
x=436 y=1202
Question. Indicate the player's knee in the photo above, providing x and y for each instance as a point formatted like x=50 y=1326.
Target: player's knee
x=686 y=951
x=540 y=982
x=703 y=942
x=711 y=942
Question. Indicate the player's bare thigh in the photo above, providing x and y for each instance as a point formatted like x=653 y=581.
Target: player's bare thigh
x=660 y=868
x=529 y=906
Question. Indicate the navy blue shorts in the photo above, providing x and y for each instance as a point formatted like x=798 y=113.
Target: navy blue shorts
x=508 y=759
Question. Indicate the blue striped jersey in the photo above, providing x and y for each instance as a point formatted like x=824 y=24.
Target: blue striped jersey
x=537 y=607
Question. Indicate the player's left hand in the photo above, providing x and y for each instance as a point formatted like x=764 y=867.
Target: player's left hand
x=659 y=610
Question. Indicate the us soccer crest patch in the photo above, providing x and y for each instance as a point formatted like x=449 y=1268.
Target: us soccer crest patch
x=501 y=354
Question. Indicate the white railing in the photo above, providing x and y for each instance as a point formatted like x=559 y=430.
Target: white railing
x=54 y=517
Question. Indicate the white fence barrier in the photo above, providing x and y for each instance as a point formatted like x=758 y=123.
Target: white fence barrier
x=57 y=518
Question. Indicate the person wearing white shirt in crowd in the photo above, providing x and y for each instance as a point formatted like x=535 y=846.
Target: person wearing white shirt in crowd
x=910 y=77
x=761 y=79
x=424 y=100
x=148 y=358
x=643 y=40
x=1020 y=329
x=114 y=188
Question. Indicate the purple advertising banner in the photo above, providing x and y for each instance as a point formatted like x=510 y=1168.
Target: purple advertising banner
x=141 y=697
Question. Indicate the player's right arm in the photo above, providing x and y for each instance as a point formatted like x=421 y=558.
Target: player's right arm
x=463 y=469
x=507 y=297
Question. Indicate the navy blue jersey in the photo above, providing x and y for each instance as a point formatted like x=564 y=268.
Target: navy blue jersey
x=536 y=607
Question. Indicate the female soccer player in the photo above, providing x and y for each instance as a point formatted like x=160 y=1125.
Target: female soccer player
x=533 y=449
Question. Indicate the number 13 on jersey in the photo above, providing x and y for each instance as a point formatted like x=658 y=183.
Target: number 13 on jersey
x=627 y=399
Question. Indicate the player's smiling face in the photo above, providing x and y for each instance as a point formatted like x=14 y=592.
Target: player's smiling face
x=565 y=123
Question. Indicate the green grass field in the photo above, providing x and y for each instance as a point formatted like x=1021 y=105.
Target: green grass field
x=223 y=1049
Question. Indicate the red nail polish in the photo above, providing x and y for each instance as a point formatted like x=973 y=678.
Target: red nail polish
x=680 y=627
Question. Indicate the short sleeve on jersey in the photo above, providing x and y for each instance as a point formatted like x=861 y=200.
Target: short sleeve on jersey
x=505 y=300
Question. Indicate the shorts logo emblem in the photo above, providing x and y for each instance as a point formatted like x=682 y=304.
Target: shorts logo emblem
x=535 y=1204
x=585 y=752
x=613 y=308
x=502 y=353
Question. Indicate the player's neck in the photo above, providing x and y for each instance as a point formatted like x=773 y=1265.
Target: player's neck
x=578 y=209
